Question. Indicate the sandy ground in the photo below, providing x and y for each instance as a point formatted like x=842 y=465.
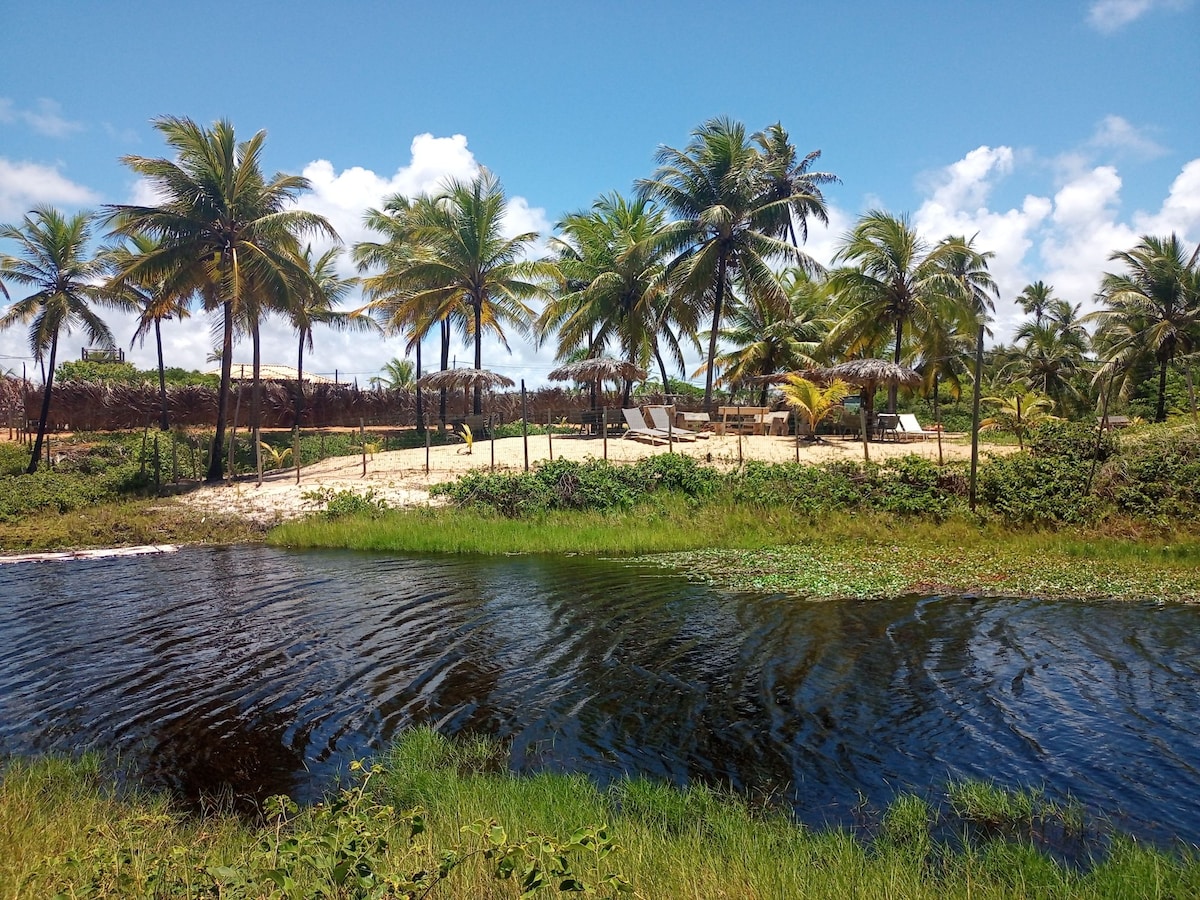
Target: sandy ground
x=401 y=479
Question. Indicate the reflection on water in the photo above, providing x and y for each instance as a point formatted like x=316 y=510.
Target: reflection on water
x=253 y=671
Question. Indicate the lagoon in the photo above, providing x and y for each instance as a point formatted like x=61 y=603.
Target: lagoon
x=244 y=671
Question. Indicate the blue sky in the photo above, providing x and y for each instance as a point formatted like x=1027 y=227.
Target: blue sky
x=1058 y=131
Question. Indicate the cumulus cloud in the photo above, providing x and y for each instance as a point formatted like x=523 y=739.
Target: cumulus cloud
x=343 y=196
x=1109 y=16
x=1064 y=238
x=45 y=117
x=24 y=185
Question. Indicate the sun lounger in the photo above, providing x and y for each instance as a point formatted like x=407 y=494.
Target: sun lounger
x=911 y=428
x=637 y=429
x=662 y=423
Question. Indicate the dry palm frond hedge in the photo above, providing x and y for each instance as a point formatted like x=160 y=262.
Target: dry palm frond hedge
x=93 y=406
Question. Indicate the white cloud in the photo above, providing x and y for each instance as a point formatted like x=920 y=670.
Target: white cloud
x=958 y=206
x=44 y=118
x=1112 y=15
x=1064 y=239
x=24 y=185
x=343 y=198
x=1180 y=212
x=1116 y=133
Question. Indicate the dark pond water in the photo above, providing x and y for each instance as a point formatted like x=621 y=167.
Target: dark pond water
x=257 y=671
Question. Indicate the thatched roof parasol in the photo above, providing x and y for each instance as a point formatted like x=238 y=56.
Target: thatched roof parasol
x=465 y=379
x=870 y=373
x=599 y=368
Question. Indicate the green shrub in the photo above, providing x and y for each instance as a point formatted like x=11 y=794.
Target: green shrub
x=335 y=504
x=1156 y=477
x=1024 y=488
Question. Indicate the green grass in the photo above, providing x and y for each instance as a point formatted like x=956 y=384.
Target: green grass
x=834 y=555
x=65 y=830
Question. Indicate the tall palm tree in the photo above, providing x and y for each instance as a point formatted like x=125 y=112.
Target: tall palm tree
x=1036 y=299
x=464 y=261
x=897 y=280
x=156 y=305
x=726 y=225
x=1152 y=309
x=66 y=280
x=611 y=272
x=224 y=231
x=792 y=184
x=473 y=263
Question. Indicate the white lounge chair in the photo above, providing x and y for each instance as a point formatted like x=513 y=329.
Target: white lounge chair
x=662 y=424
x=911 y=428
x=637 y=429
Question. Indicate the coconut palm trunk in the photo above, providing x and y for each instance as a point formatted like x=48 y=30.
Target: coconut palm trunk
x=712 y=337
x=35 y=457
x=445 y=366
x=893 y=388
x=1160 y=408
x=164 y=423
x=256 y=399
x=216 y=462
x=300 y=380
x=477 y=401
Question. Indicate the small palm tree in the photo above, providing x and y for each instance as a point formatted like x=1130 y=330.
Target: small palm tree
x=813 y=402
x=66 y=280
x=398 y=373
x=1018 y=414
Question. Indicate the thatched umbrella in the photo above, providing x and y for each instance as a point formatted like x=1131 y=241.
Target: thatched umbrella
x=466 y=379
x=869 y=374
x=598 y=369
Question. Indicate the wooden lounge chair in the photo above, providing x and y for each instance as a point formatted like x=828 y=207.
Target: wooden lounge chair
x=637 y=429
x=662 y=424
x=911 y=428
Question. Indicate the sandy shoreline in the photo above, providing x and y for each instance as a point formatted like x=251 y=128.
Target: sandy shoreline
x=399 y=476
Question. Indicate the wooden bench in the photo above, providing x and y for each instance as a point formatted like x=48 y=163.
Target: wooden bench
x=741 y=419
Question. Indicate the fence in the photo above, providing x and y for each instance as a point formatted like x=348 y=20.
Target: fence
x=87 y=406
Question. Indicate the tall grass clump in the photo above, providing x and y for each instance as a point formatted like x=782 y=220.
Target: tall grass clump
x=433 y=817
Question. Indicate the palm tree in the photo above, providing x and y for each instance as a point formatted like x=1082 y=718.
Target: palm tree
x=1018 y=414
x=727 y=219
x=898 y=280
x=791 y=184
x=398 y=374
x=473 y=264
x=1152 y=309
x=611 y=271
x=401 y=304
x=1051 y=358
x=314 y=302
x=1036 y=299
x=462 y=261
x=223 y=229
x=156 y=306
x=54 y=261
x=814 y=402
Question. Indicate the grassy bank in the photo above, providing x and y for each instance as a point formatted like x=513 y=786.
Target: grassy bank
x=835 y=555
x=123 y=523
x=443 y=819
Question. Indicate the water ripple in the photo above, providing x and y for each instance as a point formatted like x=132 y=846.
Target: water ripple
x=249 y=671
